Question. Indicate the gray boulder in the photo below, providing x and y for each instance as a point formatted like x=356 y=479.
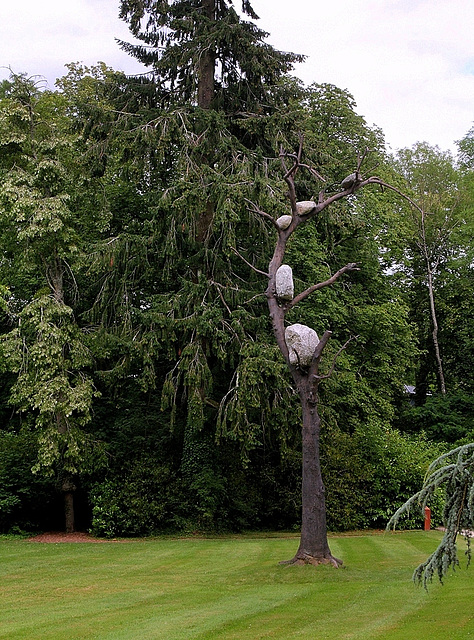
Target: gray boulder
x=301 y=342
x=349 y=181
x=284 y=222
x=284 y=283
x=304 y=207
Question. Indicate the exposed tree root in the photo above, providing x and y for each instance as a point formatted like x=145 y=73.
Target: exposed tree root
x=304 y=558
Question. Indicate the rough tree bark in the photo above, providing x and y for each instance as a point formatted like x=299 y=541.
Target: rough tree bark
x=67 y=485
x=207 y=63
x=68 y=488
x=313 y=547
x=205 y=96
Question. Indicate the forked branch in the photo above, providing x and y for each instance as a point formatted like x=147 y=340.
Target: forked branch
x=352 y=266
x=386 y=185
x=262 y=273
x=333 y=365
x=289 y=174
x=263 y=214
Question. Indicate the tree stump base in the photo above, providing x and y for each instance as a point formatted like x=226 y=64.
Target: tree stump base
x=302 y=559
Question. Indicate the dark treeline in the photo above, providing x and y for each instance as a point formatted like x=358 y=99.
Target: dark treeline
x=141 y=390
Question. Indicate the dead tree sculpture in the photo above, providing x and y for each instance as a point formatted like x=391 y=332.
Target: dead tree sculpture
x=302 y=349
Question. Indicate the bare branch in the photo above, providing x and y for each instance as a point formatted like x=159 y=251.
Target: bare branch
x=322 y=343
x=297 y=164
x=291 y=171
x=282 y=156
x=296 y=157
x=352 y=266
x=258 y=295
x=323 y=204
x=300 y=148
x=333 y=366
x=360 y=159
x=313 y=172
x=302 y=165
x=289 y=179
x=264 y=214
x=262 y=273
x=375 y=180
x=219 y=287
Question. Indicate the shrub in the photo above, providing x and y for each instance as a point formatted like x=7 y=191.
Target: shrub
x=370 y=473
x=448 y=418
x=138 y=502
x=26 y=499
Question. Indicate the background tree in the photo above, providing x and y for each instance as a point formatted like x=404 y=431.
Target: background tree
x=432 y=179
x=206 y=333
x=217 y=90
x=45 y=218
x=434 y=273
x=180 y=347
x=447 y=417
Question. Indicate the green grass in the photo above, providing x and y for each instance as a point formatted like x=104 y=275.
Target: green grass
x=228 y=588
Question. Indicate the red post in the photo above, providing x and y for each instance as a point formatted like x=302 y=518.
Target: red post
x=427 y=519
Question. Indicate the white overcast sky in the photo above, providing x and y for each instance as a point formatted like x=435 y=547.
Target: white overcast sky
x=408 y=63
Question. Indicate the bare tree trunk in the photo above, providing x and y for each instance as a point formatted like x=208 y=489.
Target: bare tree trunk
x=434 y=320
x=204 y=223
x=207 y=63
x=67 y=485
x=68 y=489
x=206 y=80
x=314 y=547
x=205 y=96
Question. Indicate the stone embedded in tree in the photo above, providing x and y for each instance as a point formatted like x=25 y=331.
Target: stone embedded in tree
x=284 y=222
x=301 y=342
x=304 y=207
x=284 y=283
x=349 y=181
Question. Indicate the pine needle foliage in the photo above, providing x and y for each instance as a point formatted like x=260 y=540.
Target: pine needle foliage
x=172 y=291
x=454 y=472
x=177 y=37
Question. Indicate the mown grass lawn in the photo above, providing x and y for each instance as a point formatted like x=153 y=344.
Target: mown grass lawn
x=228 y=588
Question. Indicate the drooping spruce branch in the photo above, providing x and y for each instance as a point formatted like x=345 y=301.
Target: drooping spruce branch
x=454 y=472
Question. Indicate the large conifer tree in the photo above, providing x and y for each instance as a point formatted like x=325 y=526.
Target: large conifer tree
x=223 y=107
x=216 y=113
x=202 y=53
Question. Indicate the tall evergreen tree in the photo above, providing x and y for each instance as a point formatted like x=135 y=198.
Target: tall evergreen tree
x=215 y=109
x=202 y=53
x=219 y=104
